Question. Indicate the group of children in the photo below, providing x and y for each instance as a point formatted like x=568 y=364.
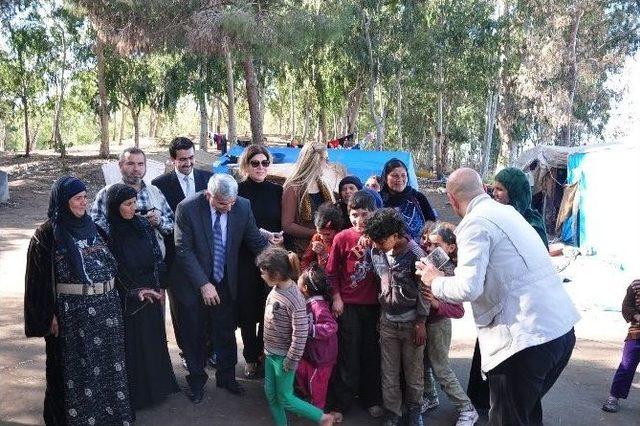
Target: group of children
x=357 y=324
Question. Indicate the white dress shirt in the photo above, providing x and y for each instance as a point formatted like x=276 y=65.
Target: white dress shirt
x=223 y=224
x=183 y=184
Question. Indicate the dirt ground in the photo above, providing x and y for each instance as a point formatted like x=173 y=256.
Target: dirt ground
x=575 y=400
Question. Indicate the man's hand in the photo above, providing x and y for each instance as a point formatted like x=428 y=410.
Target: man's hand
x=209 y=295
x=276 y=238
x=419 y=334
x=153 y=216
x=427 y=272
x=338 y=305
x=636 y=317
x=54 y=326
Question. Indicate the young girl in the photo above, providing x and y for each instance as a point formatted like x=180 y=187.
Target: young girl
x=631 y=352
x=436 y=354
x=285 y=333
x=321 y=351
x=329 y=222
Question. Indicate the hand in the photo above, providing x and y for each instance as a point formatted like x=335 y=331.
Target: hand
x=636 y=317
x=318 y=247
x=54 y=329
x=338 y=305
x=364 y=241
x=153 y=216
x=149 y=295
x=429 y=297
x=162 y=296
x=288 y=365
x=427 y=272
x=419 y=334
x=276 y=238
x=209 y=295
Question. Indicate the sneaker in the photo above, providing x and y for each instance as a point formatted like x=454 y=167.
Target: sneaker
x=391 y=420
x=376 y=411
x=611 y=406
x=415 y=415
x=429 y=403
x=468 y=417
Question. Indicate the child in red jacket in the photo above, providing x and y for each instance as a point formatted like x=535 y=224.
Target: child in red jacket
x=328 y=222
x=321 y=350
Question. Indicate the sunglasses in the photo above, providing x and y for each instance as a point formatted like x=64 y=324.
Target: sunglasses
x=255 y=163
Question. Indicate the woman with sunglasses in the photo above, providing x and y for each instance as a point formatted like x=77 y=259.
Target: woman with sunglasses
x=265 y=198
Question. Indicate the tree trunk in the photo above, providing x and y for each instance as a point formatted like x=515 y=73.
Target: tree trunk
x=218 y=115
x=440 y=148
x=136 y=127
x=292 y=127
x=115 y=126
x=253 y=99
x=572 y=78
x=102 y=107
x=204 y=124
x=25 y=110
x=490 y=122
x=211 y=111
x=305 y=126
x=231 y=102
x=3 y=135
x=377 y=119
x=335 y=126
x=153 y=122
x=122 y=121
x=353 y=108
x=57 y=137
x=399 y=109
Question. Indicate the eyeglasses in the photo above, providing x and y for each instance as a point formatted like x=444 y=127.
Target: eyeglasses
x=255 y=163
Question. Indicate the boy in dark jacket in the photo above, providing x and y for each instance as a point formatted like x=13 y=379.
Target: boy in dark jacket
x=403 y=314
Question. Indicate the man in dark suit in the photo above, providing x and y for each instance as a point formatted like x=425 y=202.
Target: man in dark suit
x=181 y=182
x=210 y=227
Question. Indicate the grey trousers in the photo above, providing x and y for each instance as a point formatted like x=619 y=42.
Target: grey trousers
x=399 y=353
x=436 y=359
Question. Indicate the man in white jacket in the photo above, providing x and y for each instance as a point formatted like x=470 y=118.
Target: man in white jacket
x=524 y=316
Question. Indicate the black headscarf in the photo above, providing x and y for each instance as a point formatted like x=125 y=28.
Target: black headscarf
x=133 y=242
x=67 y=227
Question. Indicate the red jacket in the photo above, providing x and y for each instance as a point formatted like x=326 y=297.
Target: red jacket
x=349 y=273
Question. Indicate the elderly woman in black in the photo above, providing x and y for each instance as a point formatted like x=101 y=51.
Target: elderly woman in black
x=398 y=194
x=71 y=301
x=140 y=265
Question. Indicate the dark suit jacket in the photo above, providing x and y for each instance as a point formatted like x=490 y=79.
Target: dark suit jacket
x=171 y=189
x=194 y=244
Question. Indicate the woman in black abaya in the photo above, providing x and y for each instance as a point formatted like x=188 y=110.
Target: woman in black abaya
x=140 y=264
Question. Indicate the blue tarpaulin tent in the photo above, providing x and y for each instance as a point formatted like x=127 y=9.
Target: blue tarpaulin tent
x=608 y=223
x=358 y=162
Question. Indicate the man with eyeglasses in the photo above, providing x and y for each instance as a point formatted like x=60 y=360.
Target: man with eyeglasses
x=181 y=182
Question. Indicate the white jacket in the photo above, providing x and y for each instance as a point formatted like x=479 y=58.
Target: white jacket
x=506 y=273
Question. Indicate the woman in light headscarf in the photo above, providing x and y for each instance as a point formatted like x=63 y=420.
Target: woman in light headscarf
x=140 y=265
x=71 y=301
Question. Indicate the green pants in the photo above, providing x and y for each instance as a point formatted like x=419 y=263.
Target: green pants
x=278 y=386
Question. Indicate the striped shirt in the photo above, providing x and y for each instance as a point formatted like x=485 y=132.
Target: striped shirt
x=286 y=325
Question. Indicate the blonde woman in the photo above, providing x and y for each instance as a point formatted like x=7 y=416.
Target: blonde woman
x=311 y=183
x=265 y=198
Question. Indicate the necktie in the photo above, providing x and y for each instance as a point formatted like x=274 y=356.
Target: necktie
x=187 y=186
x=218 y=251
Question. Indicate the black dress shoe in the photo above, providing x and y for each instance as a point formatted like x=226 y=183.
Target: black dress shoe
x=232 y=386
x=196 y=396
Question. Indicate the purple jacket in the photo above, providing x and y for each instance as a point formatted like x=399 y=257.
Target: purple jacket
x=322 y=344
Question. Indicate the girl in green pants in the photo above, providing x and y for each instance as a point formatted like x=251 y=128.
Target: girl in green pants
x=286 y=327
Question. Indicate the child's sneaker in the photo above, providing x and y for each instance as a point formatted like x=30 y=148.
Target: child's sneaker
x=376 y=411
x=415 y=415
x=611 y=406
x=429 y=403
x=468 y=417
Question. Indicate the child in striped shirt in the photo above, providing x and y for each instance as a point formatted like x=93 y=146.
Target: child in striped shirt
x=285 y=333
